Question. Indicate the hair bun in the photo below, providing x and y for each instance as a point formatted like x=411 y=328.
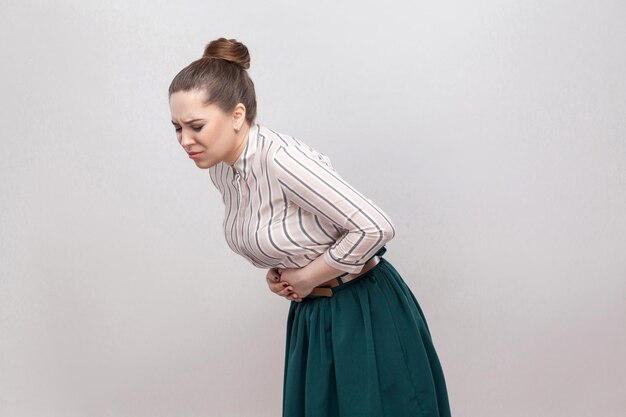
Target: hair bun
x=229 y=50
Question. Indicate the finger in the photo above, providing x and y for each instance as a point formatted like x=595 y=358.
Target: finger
x=273 y=280
x=277 y=287
x=286 y=291
x=294 y=297
x=274 y=286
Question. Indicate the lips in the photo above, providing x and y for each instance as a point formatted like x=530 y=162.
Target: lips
x=194 y=153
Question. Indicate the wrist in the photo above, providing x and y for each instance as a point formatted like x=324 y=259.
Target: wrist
x=319 y=271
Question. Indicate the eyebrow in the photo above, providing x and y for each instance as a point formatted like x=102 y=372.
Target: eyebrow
x=187 y=122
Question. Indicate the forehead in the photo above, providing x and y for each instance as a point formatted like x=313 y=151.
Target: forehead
x=186 y=105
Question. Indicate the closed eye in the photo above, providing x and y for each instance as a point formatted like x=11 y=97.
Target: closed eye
x=195 y=128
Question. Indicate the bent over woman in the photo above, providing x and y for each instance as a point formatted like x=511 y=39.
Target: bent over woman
x=357 y=341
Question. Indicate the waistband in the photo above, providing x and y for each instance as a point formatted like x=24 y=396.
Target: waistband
x=342 y=284
x=380 y=253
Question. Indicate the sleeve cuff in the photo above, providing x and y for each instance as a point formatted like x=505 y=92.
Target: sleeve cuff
x=351 y=269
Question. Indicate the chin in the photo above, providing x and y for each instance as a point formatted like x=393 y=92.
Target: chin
x=204 y=164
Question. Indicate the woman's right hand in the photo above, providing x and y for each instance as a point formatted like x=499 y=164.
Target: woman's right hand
x=279 y=287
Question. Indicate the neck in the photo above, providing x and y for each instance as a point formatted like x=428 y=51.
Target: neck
x=241 y=139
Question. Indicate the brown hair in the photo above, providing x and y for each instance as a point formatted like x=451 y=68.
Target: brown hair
x=221 y=74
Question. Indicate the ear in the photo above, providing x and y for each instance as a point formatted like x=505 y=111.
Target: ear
x=239 y=116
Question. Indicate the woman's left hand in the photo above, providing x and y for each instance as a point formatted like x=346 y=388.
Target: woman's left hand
x=296 y=278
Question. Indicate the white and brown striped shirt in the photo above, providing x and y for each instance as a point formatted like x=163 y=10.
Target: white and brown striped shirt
x=285 y=205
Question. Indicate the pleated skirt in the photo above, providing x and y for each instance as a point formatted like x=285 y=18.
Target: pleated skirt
x=366 y=351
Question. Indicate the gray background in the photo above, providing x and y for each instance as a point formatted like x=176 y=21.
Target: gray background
x=492 y=132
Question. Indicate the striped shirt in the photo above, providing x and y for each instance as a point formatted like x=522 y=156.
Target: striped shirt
x=285 y=205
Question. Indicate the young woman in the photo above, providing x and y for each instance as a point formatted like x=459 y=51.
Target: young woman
x=357 y=340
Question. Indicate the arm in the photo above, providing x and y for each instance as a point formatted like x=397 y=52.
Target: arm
x=319 y=271
x=317 y=188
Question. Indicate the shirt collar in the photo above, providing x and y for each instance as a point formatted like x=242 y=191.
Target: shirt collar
x=242 y=164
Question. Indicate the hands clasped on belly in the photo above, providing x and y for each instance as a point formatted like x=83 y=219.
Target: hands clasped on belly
x=282 y=287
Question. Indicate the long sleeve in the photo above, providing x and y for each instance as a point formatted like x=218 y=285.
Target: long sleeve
x=309 y=180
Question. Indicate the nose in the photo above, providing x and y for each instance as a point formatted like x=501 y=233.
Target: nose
x=185 y=140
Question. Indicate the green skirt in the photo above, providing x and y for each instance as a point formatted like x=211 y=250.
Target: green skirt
x=364 y=352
